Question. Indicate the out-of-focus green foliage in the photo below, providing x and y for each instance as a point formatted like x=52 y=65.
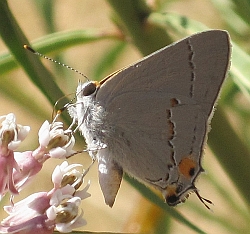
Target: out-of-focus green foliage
x=149 y=28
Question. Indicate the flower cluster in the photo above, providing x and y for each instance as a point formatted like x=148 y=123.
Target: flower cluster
x=41 y=212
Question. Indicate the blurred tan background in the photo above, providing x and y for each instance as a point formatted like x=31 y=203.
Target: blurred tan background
x=85 y=14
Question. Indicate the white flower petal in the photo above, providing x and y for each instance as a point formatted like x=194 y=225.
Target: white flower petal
x=51 y=212
x=83 y=194
x=57 y=153
x=43 y=134
x=68 y=190
x=13 y=145
x=58 y=173
x=23 y=132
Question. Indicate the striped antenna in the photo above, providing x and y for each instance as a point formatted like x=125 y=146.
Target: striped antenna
x=54 y=61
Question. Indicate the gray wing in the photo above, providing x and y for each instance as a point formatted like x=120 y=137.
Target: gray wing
x=159 y=108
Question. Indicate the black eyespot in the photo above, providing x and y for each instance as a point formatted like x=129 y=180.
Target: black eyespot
x=89 y=89
x=172 y=200
x=191 y=171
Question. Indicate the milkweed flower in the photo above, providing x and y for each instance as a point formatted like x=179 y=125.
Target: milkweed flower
x=11 y=135
x=45 y=211
x=18 y=168
x=54 y=142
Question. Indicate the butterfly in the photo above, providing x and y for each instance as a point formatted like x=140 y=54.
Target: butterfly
x=151 y=118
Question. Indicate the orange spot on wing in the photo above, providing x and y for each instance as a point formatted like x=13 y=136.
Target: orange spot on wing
x=187 y=167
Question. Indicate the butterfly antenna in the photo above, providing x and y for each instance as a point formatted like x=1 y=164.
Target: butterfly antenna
x=54 y=61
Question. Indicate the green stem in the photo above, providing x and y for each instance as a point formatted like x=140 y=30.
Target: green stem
x=14 y=38
x=231 y=152
x=133 y=14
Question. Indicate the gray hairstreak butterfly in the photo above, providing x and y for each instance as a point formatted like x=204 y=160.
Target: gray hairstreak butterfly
x=150 y=119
